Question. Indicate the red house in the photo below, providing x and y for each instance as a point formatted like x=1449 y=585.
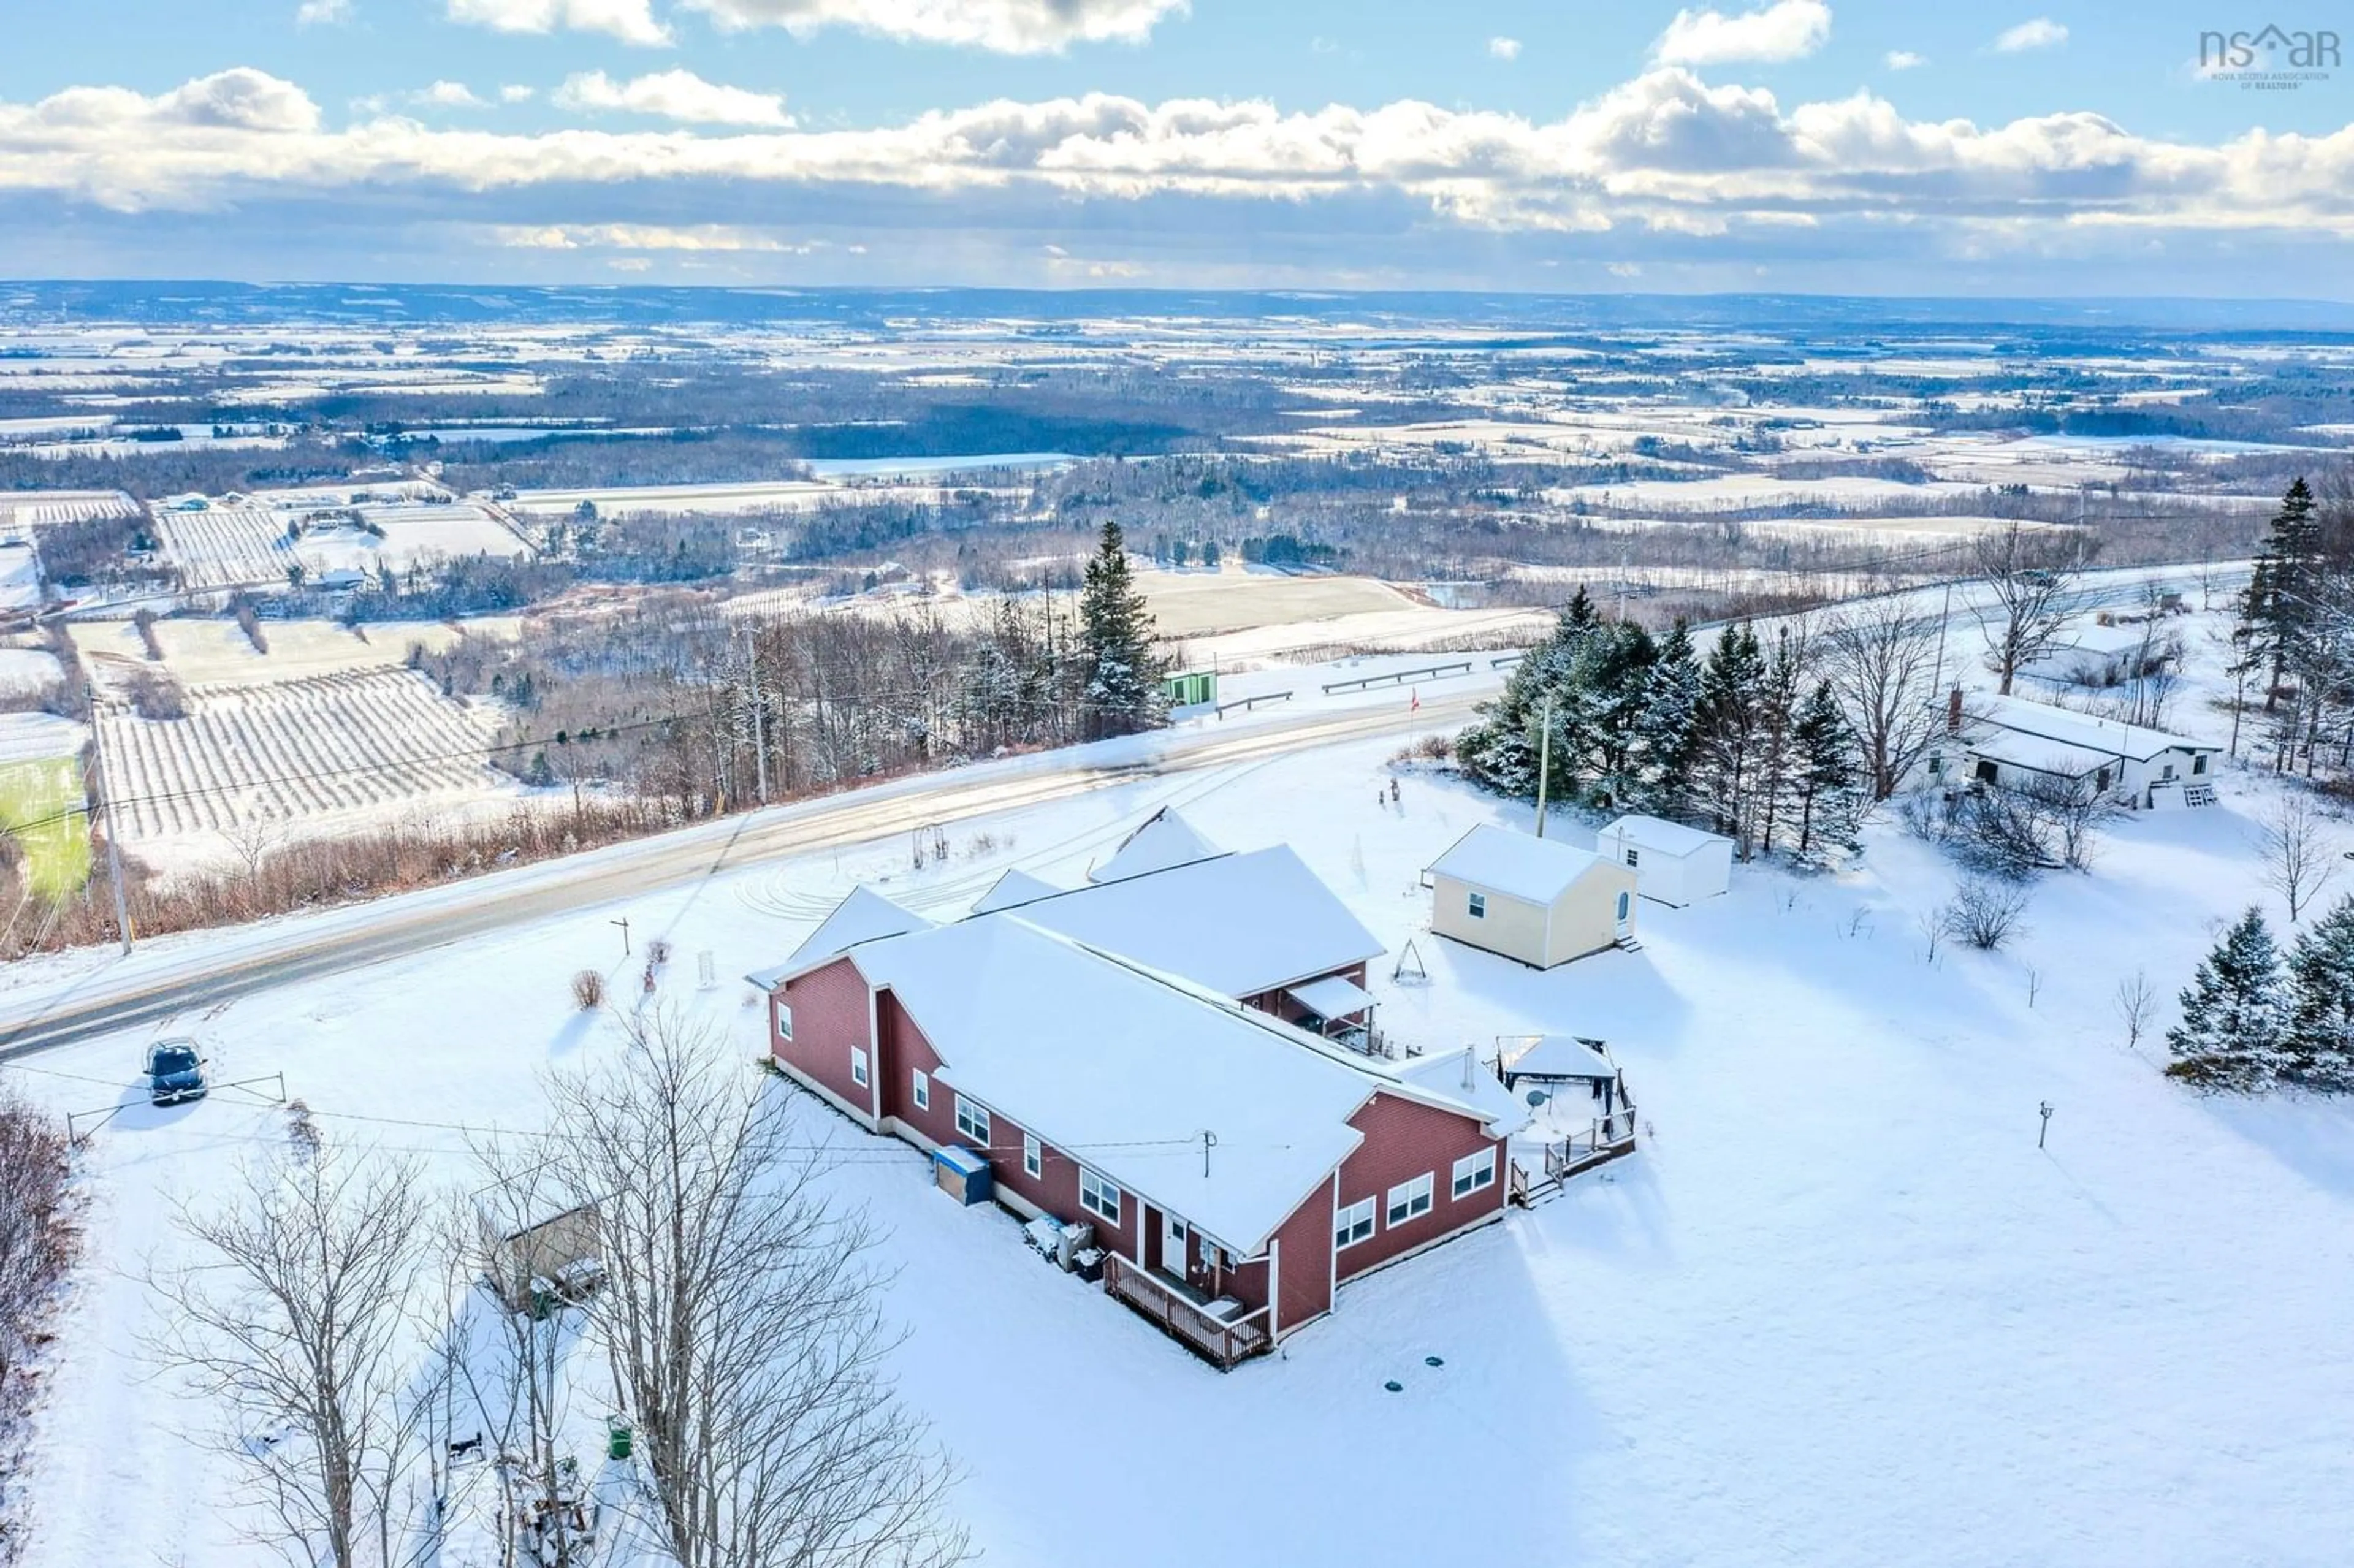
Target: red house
x=1235 y=1169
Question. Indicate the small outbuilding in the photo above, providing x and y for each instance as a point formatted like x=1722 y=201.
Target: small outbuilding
x=1538 y=900
x=1672 y=864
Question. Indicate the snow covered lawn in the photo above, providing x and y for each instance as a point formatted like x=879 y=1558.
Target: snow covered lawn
x=1839 y=1311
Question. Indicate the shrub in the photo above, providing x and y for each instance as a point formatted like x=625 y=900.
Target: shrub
x=1984 y=914
x=588 y=989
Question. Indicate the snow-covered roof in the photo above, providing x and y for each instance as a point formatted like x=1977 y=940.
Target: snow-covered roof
x=864 y=917
x=2108 y=640
x=1239 y=924
x=1125 y=1069
x=1519 y=865
x=1331 y=997
x=2038 y=755
x=1563 y=1056
x=2070 y=729
x=1658 y=834
x=1471 y=1083
x=1164 y=839
x=1016 y=886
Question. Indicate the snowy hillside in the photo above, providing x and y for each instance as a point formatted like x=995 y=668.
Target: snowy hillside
x=1839 y=1311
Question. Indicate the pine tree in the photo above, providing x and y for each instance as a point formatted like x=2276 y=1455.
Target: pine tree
x=2233 y=1031
x=1664 y=727
x=1725 y=755
x=2321 y=1008
x=1123 y=667
x=2277 y=610
x=1502 y=751
x=1833 y=790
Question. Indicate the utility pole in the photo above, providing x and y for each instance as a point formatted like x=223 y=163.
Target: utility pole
x=1544 y=764
x=113 y=839
x=1937 y=680
x=759 y=714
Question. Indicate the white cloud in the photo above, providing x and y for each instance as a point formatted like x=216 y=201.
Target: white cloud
x=1785 y=30
x=1504 y=49
x=322 y=13
x=450 y=95
x=675 y=95
x=645 y=236
x=2042 y=33
x=631 y=21
x=1007 y=26
x=515 y=92
x=1906 y=60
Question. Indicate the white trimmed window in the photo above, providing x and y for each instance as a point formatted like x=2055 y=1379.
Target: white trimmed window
x=1634 y=855
x=1409 y=1199
x=1478 y=905
x=1033 y=1159
x=1354 y=1224
x=1097 y=1196
x=1474 y=1172
x=973 y=1121
x=858 y=1065
x=784 y=1021
x=923 y=1090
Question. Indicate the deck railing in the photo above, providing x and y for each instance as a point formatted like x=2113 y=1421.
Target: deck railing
x=1606 y=1138
x=1220 y=1342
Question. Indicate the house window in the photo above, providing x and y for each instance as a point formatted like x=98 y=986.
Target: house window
x=1097 y=1196
x=2197 y=766
x=784 y=1022
x=1033 y=1159
x=1409 y=1199
x=1478 y=904
x=1987 y=772
x=2101 y=780
x=1354 y=1224
x=2167 y=773
x=1634 y=856
x=973 y=1121
x=1474 y=1172
x=858 y=1065
x=1936 y=766
x=923 y=1090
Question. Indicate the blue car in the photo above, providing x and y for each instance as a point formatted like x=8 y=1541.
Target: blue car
x=175 y=1072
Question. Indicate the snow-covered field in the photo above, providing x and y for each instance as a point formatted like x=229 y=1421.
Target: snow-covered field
x=1839 y=1311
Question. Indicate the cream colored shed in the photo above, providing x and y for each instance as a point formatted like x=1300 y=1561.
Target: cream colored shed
x=1538 y=900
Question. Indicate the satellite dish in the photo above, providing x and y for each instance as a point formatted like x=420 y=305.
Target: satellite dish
x=1538 y=1097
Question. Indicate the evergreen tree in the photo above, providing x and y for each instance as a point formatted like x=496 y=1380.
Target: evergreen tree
x=1500 y=752
x=1726 y=738
x=1833 y=790
x=1664 y=727
x=1123 y=667
x=2277 y=612
x=2234 y=1022
x=2321 y=988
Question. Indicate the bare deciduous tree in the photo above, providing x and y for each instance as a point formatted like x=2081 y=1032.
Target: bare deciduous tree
x=301 y=1321
x=253 y=839
x=1985 y=914
x=2299 y=850
x=37 y=1241
x=1880 y=660
x=738 y=1309
x=2136 y=1003
x=2028 y=572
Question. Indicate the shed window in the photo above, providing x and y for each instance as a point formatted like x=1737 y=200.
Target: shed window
x=1097 y=1196
x=1033 y=1159
x=1410 y=1199
x=1478 y=905
x=784 y=1021
x=923 y=1090
x=1474 y=1172
x=1354 y=1224
x=2198 y=765
x=1634 y=855
x=858 y=1065
x=972 y=1121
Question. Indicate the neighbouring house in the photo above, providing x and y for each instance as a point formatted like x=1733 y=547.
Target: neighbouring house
x=1164 y=839
x=2104 y=654
x=2012 y=743
x=1234 y=1169
x=1672 y=864
x=1537 y=900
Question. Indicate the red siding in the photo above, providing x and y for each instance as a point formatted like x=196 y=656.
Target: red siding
x=1290 y=1011
x=829 y=1020
x=906 y=1051
x=1305 y=1265
x=1404 y=1138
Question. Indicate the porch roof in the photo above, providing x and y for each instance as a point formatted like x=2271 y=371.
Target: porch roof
x=1331 y=997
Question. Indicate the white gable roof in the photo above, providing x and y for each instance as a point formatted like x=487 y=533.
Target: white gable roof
x=1658 y=833
x=864 y=917
x=1519 y=865
x=1237 y=923
x=1125 y=1070
x=2070 y=729
x=1164 y=840
x=1016 y=886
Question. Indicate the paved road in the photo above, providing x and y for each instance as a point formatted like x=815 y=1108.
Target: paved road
x=145 y=990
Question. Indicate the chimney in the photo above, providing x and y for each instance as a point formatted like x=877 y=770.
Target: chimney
x=1953 y=712
x=1470 y=1065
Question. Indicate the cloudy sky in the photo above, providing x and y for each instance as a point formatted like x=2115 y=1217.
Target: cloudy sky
x=1825 y=146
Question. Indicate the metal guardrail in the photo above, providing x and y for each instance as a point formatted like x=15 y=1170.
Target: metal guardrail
x=1398 y=677
x=1246 y=704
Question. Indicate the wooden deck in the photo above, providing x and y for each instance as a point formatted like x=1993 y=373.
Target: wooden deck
x=1609 y=1138
x=1223 y=1343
